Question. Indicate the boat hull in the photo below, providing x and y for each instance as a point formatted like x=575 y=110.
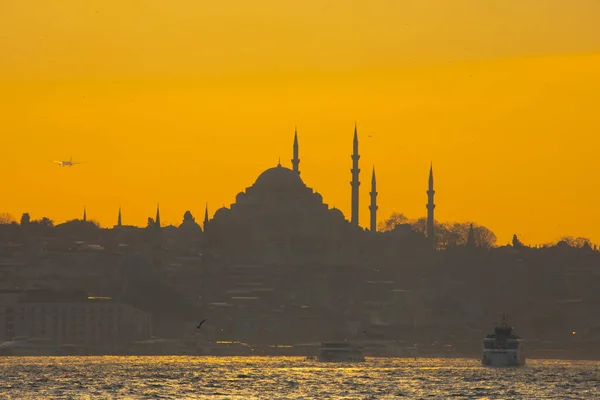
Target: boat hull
x=503 y=359
x=341 y=358
x=339 y=352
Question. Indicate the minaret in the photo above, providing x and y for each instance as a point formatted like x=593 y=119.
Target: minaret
x=157 y=221
x=373 y=207
x=84 y=214
x=206 y=217
x=296 y=160
x=355 y=182
x=430 y=207
x=471 y=237
x=119 y=221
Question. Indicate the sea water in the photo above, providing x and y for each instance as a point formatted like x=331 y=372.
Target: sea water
x=290 y=378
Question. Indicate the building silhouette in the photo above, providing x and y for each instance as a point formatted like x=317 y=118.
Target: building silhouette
x=279 y=181
x=373 y=207
x=296 y=160
x=280 y=219
x=430 y=207
x=73 y=317
x=205 y=223
x=471 y=238
x=355 y=184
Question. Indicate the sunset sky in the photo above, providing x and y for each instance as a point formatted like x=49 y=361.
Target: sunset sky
x=186 y=102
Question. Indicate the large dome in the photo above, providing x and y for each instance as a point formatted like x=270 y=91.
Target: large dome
x=279 y=177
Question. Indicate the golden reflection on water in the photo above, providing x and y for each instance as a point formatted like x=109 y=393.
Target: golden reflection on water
x=181 y=377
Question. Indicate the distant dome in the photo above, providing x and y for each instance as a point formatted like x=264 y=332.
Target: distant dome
x=221 y=211
x=318 y=197
x=241 y=196
x=279 y=177
x=338 y=213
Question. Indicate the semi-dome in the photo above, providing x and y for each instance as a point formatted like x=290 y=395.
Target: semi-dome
x=241 y=196
x=279 y=177
x=220 y=212
x=337 y=212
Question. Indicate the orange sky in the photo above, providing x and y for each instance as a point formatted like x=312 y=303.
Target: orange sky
x=186 y=102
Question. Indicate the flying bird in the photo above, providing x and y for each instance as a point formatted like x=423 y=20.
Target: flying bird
x=200 y=324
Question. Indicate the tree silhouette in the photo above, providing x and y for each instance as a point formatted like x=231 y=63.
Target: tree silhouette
x=45 y=221
x=392 y=222
x=577 y=242
x=25 y=218
x=516 y=242
x=484 y=237
x=6 y=218
x=446 y=234
x=457 y=233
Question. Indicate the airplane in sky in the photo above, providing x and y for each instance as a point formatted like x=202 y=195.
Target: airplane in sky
x=69 y=163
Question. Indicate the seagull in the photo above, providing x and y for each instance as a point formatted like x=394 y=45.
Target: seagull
x=200 y=324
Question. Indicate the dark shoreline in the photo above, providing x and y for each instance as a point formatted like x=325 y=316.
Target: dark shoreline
x=429 y=356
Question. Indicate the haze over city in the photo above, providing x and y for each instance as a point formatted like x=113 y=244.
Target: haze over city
x=185 y=103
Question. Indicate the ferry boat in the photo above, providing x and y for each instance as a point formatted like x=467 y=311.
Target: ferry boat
x=340 y=352
x=503 y=347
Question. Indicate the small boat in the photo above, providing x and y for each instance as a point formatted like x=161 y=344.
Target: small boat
x=340 y=352
x=503 y=347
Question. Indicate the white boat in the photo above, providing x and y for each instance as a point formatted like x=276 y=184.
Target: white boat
x=503 y=347
x=340 y=352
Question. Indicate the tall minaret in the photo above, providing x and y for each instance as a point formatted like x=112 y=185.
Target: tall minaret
x=84 y=214
x=373 y=207
x=157 y=221
x=355 y=182
x=430 y=206
x=119 y=221
x=206 y=217
x=296 y=160
x=471 y=238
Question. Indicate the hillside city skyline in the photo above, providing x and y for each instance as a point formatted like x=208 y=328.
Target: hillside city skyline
x=375 y=220
x=207 y=199
x=192 y=111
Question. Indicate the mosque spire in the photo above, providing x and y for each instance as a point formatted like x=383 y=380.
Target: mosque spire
x=471 y=237
x=430 y=207
x=119 y=221
x=373 y=207
x=157 y=220
x=206 y=217
x=431 y=176
x=296 y=160
x=84 y=214
x=355 y=142
x=355 y=182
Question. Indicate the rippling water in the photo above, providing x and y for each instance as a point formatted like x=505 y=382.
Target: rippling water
x=290 y=378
